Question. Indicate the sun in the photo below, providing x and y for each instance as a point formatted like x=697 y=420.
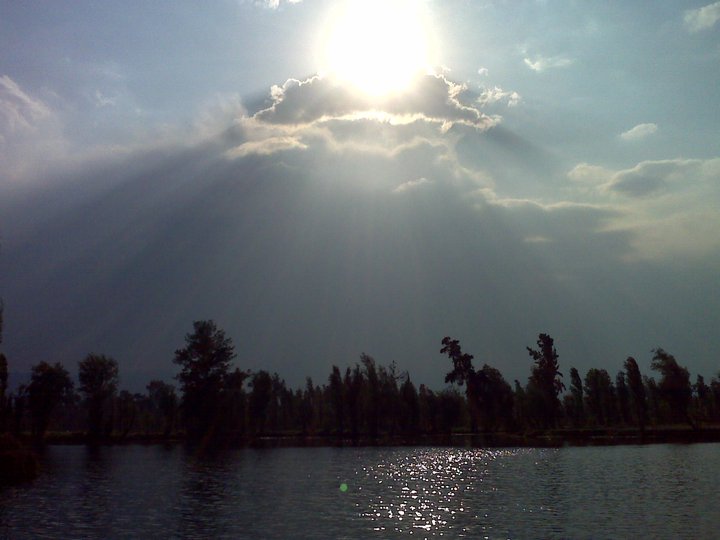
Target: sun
x=377 y=46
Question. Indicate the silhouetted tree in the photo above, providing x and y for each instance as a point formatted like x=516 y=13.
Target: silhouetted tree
x=623 y=398
x=703 y=398
x=577 y=412
x=235 y=401
x=598 y=396
x=371 y=394
x=259 y=401
x=164 y=402
x=337 y=399
x=98 y=375
x=715 y=397
x=545 y=381
x=410 y=416
x=307 y=401
x=674 y=386
x=49 y=386
x=637 y=392
x=520 y=405
x=450 y=407
x=204 y=361
x=653 y=400
x=489 y=396
x=126 y=412
x=494 y=398
x=427 y=405
x=353 y=383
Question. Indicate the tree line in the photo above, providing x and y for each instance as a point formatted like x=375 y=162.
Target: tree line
x=369 y=401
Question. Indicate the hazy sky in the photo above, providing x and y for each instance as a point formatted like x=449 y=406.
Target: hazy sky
x=281 y=168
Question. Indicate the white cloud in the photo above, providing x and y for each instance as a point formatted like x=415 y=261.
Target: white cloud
x=412 y=185
x=702 y=18
x=670 y=206
x=266 y=147
x=18 y=110
x=483 y=71
x=433 y=99
x=101 y=100
x=639 y=132
x=275 y=4
x=540 y=63
x=493 y=95
x=654 y=177
x=585 y=173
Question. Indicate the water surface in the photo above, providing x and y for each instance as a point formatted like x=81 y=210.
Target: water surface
x=661 y=491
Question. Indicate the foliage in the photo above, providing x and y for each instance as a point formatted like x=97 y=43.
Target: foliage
x=204 y=362
x=98 y=376
x=637 y=392
x=675 y=389
x=545 y=381
x=49 y=386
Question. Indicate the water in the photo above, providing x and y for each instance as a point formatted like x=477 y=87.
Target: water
x=662 y=491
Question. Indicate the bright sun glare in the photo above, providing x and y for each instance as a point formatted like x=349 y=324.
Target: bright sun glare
x=378 y=46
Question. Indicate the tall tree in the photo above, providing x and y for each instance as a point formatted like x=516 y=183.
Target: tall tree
x=204 y=362
x=163 y=401
x=577 y=414
x=546 y=380
x=98 y=376
x=623 y=397
x=337 y=399
x=599 y=396
x=49 y=386
x=637 y=392
x=489 y=396
x=259 y=400
x=674 y=386
x=410 y=415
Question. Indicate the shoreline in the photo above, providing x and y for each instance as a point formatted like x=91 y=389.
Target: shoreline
x=534 y=439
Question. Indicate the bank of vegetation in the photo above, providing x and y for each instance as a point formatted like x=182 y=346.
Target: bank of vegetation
x=364 y=403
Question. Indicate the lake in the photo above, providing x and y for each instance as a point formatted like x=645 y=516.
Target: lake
x=658 y=491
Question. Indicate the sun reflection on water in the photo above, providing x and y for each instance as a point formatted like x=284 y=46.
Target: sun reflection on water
x=428 y=490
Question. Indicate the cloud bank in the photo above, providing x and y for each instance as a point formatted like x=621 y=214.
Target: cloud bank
x=324 y=224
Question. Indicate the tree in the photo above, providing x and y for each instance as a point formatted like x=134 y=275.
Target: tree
x=489 y=396
x=623 y=397
x=637 y=392
x=163 y=400
x=577 y=412
x=98 y=375
x=259 y=401
x=49 y=386
x=235 y=400
x=204 y=361
x=674 y=386
x=410 y=412
x=599 y=396
x=545 y=382
x=703 y=404
x=337 y=399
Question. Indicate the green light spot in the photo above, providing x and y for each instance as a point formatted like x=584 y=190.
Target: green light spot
x=343 y=487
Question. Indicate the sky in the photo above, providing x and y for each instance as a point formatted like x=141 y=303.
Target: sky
x=327 y=178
